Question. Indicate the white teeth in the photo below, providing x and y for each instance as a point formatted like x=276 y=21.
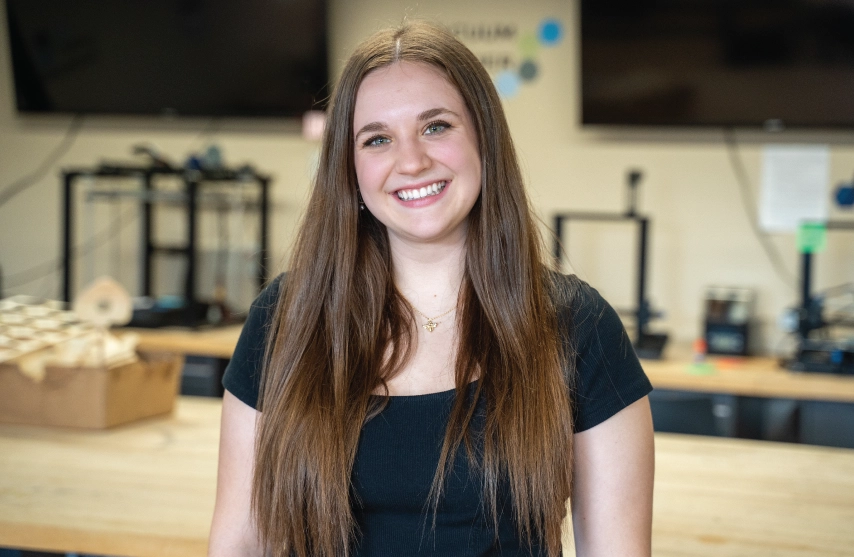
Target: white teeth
x=425 y=191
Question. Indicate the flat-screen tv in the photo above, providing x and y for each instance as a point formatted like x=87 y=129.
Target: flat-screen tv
x=232 y=58
x=768 y=63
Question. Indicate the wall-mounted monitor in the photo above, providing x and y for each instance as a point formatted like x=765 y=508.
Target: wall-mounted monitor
x=174 y=57
x=755 y=63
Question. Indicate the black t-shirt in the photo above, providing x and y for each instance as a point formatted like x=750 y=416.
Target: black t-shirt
x=399 y=449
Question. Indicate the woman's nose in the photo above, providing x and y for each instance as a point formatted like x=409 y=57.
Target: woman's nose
x=412 y=157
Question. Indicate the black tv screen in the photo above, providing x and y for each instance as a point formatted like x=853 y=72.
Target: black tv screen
x=765 y=63
x=172 y=57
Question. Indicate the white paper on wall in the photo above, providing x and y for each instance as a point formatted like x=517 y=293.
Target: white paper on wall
x=794 y=186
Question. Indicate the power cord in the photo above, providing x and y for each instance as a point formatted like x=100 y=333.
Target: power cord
x=750 y=208
x=41 y=171
x=47 y=268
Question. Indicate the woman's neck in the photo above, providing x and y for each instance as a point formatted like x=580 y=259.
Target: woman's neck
x=428 y=275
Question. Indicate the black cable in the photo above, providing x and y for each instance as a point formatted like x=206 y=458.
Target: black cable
x=33 y=177
x=41 y=271
x=749 y=205
x=47 y=268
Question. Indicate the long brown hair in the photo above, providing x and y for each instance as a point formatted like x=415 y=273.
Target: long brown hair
x=341 y=329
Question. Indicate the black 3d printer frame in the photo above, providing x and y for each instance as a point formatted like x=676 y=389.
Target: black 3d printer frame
x=193 y=180
x=646 y=344
x=816 y=355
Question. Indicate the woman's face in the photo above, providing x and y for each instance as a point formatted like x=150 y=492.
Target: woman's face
x=416 y=153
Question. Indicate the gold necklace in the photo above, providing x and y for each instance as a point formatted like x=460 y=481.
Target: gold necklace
x=431 y=321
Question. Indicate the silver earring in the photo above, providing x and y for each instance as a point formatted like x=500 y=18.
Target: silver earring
x=361 y=201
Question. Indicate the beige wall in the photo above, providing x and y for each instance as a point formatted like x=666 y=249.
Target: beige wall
x=701 y=234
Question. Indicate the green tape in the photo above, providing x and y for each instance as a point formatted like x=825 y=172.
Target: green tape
x=701 y=368
x=812 y=237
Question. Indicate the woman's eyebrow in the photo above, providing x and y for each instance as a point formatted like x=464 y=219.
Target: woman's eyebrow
x=433 y=112
x=426 y=115
x=370 y=128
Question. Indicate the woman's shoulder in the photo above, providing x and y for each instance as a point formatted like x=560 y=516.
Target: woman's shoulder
x=607 y=374
x=265 y=302
x=577 y=301
x=242 y=376
x=269 y=295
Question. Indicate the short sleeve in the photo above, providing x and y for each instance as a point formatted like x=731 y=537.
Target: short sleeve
x=242 y=376
x=609 y=376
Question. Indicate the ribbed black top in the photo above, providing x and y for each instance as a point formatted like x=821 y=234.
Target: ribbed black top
x=399 y=449
x=395 y=464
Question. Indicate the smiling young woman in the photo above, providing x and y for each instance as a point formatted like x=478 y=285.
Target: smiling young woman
x=416 y=153
x=420 y=382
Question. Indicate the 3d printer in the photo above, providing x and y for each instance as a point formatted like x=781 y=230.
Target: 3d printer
x=819 y=346
x=646 y=343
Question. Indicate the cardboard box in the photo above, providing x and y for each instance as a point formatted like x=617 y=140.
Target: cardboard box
x=89 y=397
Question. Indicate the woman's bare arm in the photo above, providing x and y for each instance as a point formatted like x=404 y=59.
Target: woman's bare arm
x=612 y=497
x=232 y=531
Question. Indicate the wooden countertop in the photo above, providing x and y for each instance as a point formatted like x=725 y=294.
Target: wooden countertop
x=762 y=377
x=734 y=497
x=147 y=490
x=217 y=342
x=142 y=490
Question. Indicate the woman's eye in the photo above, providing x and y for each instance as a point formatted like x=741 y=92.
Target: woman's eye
x=436 y=127
x=376 y=141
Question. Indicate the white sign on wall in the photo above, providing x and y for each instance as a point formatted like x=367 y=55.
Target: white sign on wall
x=794 y=186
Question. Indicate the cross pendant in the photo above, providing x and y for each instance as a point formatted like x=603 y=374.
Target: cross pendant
x=430 y=325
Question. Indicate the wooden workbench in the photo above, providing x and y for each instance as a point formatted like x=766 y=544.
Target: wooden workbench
x=147 y=490
x=217 y=342
x=142 y=490
x=760 y=377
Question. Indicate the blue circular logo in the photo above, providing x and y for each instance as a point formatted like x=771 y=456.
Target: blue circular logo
x=507 y=83
x=510 y=81
x=551 y=32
